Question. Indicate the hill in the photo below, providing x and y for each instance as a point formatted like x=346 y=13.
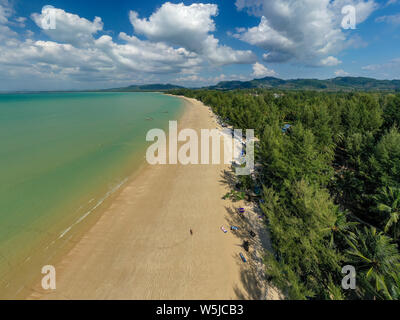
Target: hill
x=335 y=84
x=145 y=88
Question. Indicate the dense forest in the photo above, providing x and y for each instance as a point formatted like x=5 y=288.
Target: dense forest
x=331 y=186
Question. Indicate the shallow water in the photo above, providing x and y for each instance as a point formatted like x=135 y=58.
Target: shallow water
x=61 y=156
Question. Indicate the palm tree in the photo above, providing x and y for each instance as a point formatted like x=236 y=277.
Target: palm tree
x=389 y=203
x=376 y=260
x=394 y=291
x=339 y=229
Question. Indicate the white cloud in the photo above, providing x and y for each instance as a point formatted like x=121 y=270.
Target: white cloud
x=70 y=28
x=191 y=78
x=364 y=8
x=20 y=21
x=330 y=61
x=392 y=19
x=306 y=31
x=101 y=63
x=181 y=25
x=391 y=2
x=393 y=66
x=154 y=57
x=371 y=67
x=224 y=77
x=385 y=70
x=104 y=61
x=6 y=10
x=260 y=71
x=189 y=27
x=341 y=73
x=78 y=50
x=5 y=14
x=219 y=78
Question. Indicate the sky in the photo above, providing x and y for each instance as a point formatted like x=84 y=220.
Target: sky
x=93 y=44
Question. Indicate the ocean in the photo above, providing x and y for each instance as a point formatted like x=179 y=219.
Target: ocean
x=62 y=155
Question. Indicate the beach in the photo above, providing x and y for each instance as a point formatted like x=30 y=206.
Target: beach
x=141 y=246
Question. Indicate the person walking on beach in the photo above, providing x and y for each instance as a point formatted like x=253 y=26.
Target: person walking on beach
x=191 y=232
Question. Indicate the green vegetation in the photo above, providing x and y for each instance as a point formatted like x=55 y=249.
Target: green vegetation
x=331 y=186
x=336 y=84
x=344 y=84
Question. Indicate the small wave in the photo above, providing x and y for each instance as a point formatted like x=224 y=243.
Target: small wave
x=64 y=232
x=99 y=203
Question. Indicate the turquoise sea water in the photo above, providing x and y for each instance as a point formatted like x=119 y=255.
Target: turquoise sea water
x=61 y=156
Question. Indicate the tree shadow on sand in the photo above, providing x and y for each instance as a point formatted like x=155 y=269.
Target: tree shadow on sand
x=252 y=273
x=251 y=287
x=228 y=178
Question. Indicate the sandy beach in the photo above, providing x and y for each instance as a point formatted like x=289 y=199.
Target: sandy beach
x=141 y=246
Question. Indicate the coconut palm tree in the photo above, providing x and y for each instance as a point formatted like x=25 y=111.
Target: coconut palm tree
x=376 y=260
x=339 y=229
x=389 y=204
x=393 y=292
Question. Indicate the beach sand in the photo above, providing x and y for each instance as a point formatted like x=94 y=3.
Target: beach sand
x=141 y=246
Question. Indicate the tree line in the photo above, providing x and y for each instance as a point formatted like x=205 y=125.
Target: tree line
x=331 y=186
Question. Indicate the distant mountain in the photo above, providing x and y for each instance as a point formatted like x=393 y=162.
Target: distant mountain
x=336 y=84
x=145 y=88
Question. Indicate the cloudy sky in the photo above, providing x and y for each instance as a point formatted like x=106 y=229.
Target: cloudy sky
x=87 y=44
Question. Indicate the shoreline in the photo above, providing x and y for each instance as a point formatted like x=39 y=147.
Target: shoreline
x=20 y=282
x=140 y=246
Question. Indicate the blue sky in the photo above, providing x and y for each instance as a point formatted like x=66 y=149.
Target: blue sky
x=102 y=44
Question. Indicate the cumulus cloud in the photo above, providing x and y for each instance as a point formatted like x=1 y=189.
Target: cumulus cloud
x=5 y=14
x=392 y=65
x=181 y=25
x=386 y=70
x=190 y=28
x=364 y=8
x=330 y=61
x=259 y=71
x=190 y=78
x=105 y=60
x=341 y=73
x=178 y=40
x=154 y=57
x=70 y=28
x=306 y=31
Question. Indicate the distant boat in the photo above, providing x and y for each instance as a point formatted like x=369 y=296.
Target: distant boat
x=149 y=119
